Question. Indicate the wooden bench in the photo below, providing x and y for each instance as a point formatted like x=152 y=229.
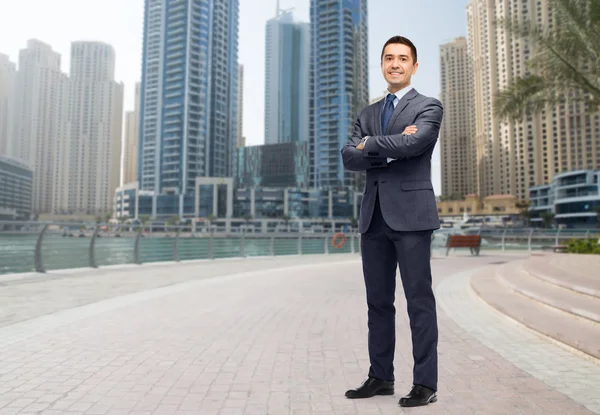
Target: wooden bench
x=555 y=248
x=473 y=242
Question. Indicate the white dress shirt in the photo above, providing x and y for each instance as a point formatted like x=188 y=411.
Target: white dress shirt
x=399 y=96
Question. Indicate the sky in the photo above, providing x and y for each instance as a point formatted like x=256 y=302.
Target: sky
x=428 y=23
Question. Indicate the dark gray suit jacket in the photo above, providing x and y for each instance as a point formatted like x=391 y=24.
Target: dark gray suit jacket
x=405 y=190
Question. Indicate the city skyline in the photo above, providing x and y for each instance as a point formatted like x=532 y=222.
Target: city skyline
x=386 y=18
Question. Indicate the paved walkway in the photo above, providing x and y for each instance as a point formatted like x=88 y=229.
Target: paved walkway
x=261 y=336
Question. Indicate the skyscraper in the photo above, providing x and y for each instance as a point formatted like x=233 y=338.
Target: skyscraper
x=90 y=157
x=512 y=156
x=457 y=150
x=41 y=114
x=241 y=140
x=339 y=84
x=188 y=96
x=132 y=139
x=286 y=79
x=8 y=76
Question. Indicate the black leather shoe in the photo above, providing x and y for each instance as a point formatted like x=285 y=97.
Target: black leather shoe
x=370 y=388
x=418 y=396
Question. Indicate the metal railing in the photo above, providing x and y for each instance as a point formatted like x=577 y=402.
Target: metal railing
x=531 y=239
x=39 y=247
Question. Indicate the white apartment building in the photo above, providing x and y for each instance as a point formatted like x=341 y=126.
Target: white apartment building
x=91 y=154
x=456 y=145
x=132 y=140
x=512 y=156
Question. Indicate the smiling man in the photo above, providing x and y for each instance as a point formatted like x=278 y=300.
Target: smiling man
x=393 y=141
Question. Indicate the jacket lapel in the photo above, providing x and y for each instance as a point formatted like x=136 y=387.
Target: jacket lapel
x=379 y=110
x=399 y=108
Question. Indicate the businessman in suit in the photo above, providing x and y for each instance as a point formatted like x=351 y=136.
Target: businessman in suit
x=393 y=141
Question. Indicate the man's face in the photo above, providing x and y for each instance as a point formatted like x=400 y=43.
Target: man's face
x=397 y=66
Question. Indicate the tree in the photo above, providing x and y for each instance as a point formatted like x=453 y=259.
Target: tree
x=173 y=220
x=354 y=223
x=565 y=64
x=144 y=219
x=524 y=211
x=210 y=219
x=286 y=219
x=548 y=218
x=107 y=216
x=98 y=220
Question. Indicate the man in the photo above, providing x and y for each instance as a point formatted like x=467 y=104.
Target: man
x=393 y=141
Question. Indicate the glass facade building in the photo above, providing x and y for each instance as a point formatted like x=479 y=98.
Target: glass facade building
x=188 y=120
x=211 y=196
x=287 y=55
x=296 y=203
x=15 y=190
x=273 y=165
x=572 y=197
x=339 y=82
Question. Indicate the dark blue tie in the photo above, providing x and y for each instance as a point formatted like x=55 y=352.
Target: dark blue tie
x=388 y=110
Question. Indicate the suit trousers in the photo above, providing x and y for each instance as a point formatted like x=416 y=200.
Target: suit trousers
x=383 y=249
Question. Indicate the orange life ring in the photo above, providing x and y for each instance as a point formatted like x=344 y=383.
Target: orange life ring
x=341 y=242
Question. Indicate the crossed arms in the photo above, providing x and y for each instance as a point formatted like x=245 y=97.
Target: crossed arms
x=414 y=141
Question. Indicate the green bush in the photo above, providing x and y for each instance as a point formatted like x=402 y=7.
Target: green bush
x=583 y=246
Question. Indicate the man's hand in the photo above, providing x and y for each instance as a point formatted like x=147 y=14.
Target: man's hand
x=410 y=130
x=361 y=145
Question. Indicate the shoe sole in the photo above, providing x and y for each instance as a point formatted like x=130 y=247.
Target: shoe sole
x=380 y=393
x=420 y=404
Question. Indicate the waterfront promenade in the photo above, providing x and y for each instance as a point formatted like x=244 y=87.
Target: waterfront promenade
x=287 y=335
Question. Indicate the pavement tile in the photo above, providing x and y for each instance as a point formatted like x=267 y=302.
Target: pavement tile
x=283 y=336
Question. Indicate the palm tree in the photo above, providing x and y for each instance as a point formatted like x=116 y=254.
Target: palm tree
x=210 y=219
x=173 y=221
x=286 y=219
x=565 y=65
x=524 y=211
x=547 y=217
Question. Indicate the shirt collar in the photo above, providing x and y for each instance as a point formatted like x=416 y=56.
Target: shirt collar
x=401 y=93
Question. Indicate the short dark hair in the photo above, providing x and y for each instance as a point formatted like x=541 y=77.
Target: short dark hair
x=402 y=41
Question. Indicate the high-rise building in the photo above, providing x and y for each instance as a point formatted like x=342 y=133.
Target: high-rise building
x=513 y=156
x=132 y=139
x=188 y=96
x=273 y=165
x=286 y=79
x=41 y=113
x=90 y=157
x=241 y=140
x=16 y=189
x=457 y=151
x=8 y=74
x=338 y=83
